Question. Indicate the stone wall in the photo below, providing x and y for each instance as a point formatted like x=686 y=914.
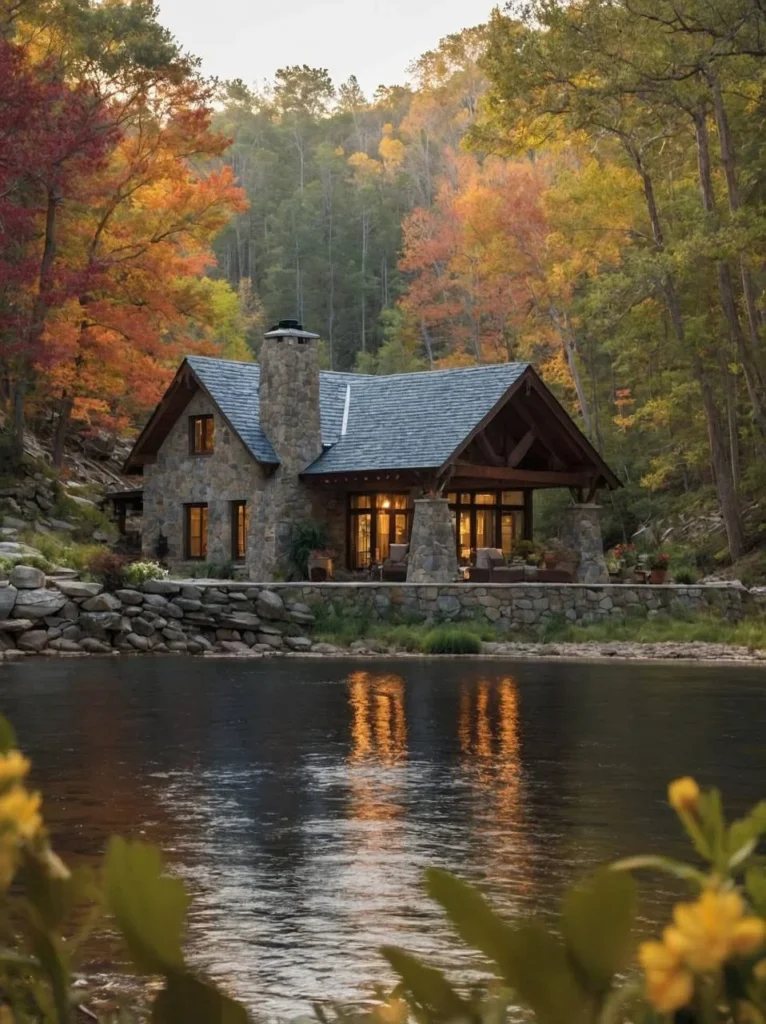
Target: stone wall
x=40 y=615
x=228 y=474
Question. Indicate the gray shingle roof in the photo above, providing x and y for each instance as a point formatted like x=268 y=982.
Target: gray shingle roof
x=401 y=421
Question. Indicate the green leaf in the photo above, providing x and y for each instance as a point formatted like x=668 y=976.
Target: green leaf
x=53 y=898
x=428 y=987
x=743 y=835
x=149 y=906
x=185 y=999
x=597 y=922
x=7 y=735
x=668 y=866
x=476 y=922
x=755 y=883
x=541 y=975
x=49 y=950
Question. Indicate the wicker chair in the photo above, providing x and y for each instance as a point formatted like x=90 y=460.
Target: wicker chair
x=394 y=569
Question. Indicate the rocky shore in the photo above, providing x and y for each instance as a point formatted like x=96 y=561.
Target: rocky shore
x=55 y=617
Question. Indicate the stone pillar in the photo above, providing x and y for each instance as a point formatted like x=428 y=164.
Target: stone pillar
x=432 y=555
x=581 y=533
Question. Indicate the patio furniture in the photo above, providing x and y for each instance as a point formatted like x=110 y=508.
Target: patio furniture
x=394 y=569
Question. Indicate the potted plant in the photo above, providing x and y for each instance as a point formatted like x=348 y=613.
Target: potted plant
x=320 y=563
x=626 y=557
x=659 y=567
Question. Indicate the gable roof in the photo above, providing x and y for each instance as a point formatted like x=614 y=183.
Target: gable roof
x=405 y=420
x=397 y=422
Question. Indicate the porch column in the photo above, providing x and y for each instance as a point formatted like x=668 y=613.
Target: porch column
x=581 y=533
x=433 y=554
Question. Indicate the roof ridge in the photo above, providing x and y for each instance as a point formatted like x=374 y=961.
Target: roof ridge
x=372 y=376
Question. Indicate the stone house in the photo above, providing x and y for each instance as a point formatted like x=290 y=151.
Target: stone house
x=236 y=454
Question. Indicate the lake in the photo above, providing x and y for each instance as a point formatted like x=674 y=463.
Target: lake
x=301 y=800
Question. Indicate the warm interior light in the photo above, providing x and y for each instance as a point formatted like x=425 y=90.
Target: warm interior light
x=386 y=503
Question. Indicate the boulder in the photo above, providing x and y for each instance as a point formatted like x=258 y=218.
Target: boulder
x=71 y=633
x=96 y=623
x=298 y=643
x=76 y=588
x=188 y=604
x=240 y=620
x=70 y=612
x=155 y=600
x=191 y=593
x=36 y=604
x=15 y=625
x=202 y=642
x=142 y=627
x=64 y=645
x=94 y=646
x=215 y=596
x=26 y=577
x=174 y=635
x=269 y=605
x=271 y=639
x=173 y=611
x=234 y=647
x=61 y=526
x=140 y=643
x=323 y=648
x=161 y=587
x=7 y=601
x=179 y=646
x=102 y=603
x=34 y=640
x=130 y=597
x=302 y=618
x=13 y=523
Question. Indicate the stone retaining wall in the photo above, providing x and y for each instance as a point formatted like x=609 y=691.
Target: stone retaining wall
x=38 y=614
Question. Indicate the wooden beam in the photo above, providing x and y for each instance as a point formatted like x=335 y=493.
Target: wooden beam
x=485 y=445
x=525 y=477
x=521 y=449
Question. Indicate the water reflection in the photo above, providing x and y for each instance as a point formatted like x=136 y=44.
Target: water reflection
x=302 y=801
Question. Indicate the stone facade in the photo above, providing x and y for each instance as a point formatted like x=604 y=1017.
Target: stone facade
x=39 y=615
x=289 y=412
x=432 y=555
x=228 y=474
x=581 y=533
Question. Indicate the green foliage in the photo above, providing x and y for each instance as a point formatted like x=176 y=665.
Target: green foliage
x=59 y=551
x=108 y=568
x=136 y=573
x=451 y=640
x=306 y=536
x=7 y=562
x=692 y=628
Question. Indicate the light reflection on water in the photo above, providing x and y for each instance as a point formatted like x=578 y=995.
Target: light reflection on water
x=302 y=800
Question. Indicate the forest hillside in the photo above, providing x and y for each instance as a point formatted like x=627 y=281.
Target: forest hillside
x=576 y=184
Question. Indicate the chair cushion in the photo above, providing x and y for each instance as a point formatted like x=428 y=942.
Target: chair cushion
x=398 y=553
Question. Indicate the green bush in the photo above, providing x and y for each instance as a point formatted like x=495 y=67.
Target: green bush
x=685 y=574
x=307 y=536
x=136 y=573
x=451 y=640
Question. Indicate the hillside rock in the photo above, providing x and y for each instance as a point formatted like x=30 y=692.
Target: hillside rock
x=36 y=604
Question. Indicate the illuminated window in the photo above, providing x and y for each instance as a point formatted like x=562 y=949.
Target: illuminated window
x=487 y=519
x=240 y=521
x=376 y=522
x=201 y=435
x=195 y=531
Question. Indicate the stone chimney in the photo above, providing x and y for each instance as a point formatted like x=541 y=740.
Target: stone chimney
x=289 y=394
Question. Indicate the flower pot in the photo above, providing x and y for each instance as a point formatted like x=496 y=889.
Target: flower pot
x=657 y=576
x=550 y=558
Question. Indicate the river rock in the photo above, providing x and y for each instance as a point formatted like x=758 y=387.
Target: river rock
x=34 y=640
x=174 y=635
x=323 y=648
x=96 y=623
x=26 y=577
x=188 y=604
x=67 y=646
x=191 y=593
x=177 y=646
x=71 y=633
x=269 y=605
x=7 y=601
x=77 y=588
x=36 y=604
x=15 y=625
x=234 y=647
x=240 y=620
x=298 y=643
x=130 y=597
x=302 y=618
x=93 y=645
x=155 y=600
x=102 y=603
x=142 y=626
x=161 y=587
x=173 y=611
x=272 y=639
x=70 y=612
x=141 y=643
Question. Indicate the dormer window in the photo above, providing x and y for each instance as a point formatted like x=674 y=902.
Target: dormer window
x=201 y=435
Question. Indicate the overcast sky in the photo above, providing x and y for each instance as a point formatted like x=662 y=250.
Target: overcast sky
x=372 y=39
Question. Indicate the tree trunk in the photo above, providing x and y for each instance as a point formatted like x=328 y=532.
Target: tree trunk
x=732 y=425
x=568 y=343
x=62 y=429
x=750 y=369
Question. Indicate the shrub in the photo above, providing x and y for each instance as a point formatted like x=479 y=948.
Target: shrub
x=306 y=536
x=446 y=640
x=686 y=574
x=108 y=569
x=136 y=573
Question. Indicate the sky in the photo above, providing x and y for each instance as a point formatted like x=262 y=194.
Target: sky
x=372 y=39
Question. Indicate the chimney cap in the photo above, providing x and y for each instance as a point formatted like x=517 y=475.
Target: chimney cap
x=290 y=329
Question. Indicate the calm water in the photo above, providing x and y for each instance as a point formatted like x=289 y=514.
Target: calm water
x=301 y=801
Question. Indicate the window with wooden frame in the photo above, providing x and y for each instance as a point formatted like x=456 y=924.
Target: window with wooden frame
x=376 y=521
x=201 y=435
x=489 y=519
x=240 y=519
x=195 y=531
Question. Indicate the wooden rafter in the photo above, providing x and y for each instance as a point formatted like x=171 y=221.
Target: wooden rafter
x=526 y=477
x=521 y=448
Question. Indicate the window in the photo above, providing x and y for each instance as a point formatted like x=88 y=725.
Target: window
x=376 y=522
x=195 y=531
x=240 y=521
x=201 y=435
x=488 y=519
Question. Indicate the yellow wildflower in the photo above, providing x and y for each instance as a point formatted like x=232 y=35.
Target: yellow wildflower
x=710 y=931
x=13 y=767
x=394 y=1011
x=759 y=971
x=669 y=984
x=684 y=794
x=20 y=811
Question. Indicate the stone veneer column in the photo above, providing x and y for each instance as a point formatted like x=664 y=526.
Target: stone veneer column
x=289 y=415
x=582 y=535
x=432 y=555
